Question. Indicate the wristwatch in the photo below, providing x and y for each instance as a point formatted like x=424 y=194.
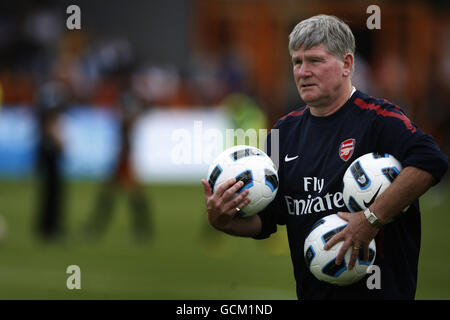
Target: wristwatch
x=372 y=218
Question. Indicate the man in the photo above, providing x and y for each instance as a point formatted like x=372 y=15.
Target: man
x=51 y=103
x=311 y=140
x=123 y=178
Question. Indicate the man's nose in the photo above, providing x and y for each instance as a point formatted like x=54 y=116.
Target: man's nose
x=304 y=71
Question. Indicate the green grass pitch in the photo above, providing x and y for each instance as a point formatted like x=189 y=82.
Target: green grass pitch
x=185 y=259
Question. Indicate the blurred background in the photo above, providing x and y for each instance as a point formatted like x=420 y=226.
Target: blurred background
x=105 y=133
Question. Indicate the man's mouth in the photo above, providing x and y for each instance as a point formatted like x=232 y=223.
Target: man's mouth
x=307 y=85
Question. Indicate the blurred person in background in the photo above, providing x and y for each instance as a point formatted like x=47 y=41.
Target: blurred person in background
x=51 y=103
x=123 y=177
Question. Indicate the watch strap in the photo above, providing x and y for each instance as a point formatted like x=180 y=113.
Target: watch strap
x=372 y=218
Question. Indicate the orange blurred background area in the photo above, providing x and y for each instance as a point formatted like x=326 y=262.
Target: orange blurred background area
x=195 y=53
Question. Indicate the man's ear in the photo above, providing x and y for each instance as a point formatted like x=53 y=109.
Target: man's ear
x=348 y=64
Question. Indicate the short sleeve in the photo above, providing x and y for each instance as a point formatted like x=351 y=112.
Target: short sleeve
x=397 y=135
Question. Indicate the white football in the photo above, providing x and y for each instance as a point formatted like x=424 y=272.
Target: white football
x=322 y=264
x=252 y=166
x=368 y=177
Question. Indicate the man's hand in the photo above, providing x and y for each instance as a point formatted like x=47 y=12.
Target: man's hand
x=223 y=204
x=356 y=235
x=409 y=185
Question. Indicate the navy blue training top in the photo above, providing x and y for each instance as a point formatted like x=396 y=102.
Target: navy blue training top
x=314 y=153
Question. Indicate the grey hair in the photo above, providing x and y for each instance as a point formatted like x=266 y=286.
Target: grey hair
x=332 y=32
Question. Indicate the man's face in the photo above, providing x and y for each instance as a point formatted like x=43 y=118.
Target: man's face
x=318 y=74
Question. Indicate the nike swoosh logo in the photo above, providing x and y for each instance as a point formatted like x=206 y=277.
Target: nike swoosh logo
x=367 y=204
x=287 y=159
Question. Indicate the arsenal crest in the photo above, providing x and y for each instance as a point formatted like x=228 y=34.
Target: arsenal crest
x=346 y=149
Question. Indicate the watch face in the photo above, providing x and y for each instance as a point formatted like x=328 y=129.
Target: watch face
x=372 y=219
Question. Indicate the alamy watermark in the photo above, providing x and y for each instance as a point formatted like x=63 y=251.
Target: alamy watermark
x=74 y=19
x=201 y=146
x=374 y=20
x=374 y=280
x=74 y=280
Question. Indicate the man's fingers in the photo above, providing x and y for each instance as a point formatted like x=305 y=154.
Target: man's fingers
x=352 y=240
x=239 y=201
x=335 y=239
x=206 y=188
x=340 y=256
x=344 y=215
x=231 y=192
x=244 y=202
x=224 y=187
x=355 y=253
x=366 y=253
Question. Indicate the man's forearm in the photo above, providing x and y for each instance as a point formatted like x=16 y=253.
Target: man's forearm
x=409 y=185
x=244 y=226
